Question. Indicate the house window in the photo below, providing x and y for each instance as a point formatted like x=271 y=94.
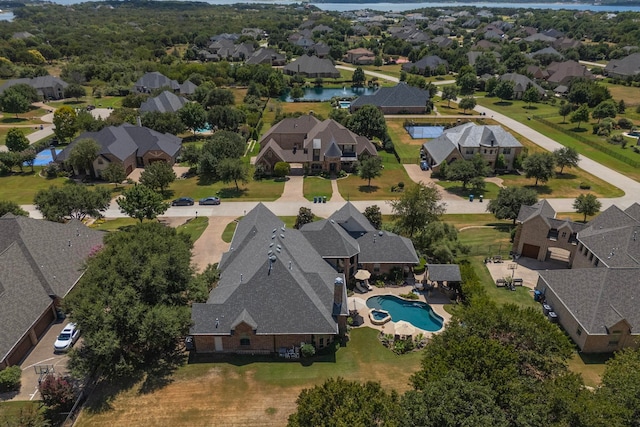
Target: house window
x=613 y=343
x=579 y=331
x=485 y=151
x=316 y=155
x=506 y=151
x=597 y=262
x=245 y=341
x=469 y=151
x=564 y=234
x=321 y=342
x=100 y=162
x=376 y=268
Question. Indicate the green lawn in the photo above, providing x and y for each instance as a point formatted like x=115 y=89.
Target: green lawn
x=4 y=130
x=21 y=188
x=565 y=185
x=317 y=186
x=104 y=102
x=10 y=411
x=356 y=188
x=113 y=224
x=31 y=117
x=265 y=190
x=590 y=366
x=455 y=187
x=194 y=227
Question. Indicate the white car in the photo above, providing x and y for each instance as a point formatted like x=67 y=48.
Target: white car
x=67 y=338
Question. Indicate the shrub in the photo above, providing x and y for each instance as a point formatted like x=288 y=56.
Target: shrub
x=57 y=392
x=342 y=174
x=401 y=184
x=409 y=295
x=625 y=123
x=10 y=379
x=419 y=269
x=281 y=169
x=52 y=170
x=584 y=186
x=308 y=350
x=616 y=139
x=638 y=109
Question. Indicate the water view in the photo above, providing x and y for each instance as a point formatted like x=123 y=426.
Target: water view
x=325 y=94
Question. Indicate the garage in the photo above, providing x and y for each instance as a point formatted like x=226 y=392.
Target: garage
x=530 y=251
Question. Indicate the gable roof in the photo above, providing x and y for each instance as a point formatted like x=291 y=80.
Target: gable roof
x=383 y=247
x=440 y=148
x=401 y=95
x=352 y=220
x=429 y=61
x=444 y=272
x=156 y=80
x=627 y=66
x=563 y=72
x=38 y=83
x=540 y=208
x=312 y=65
x=521 y=82
x=329 y=239
x=188 y=87
x=40 y=260
x=166 y=102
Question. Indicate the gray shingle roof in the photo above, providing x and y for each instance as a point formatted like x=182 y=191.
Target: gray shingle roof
x=439 y=148
x=627 y=66
x=521 y=82
x=333 y=150
x=38 y=83
x=352 y=220
x=156 y=80
x=597 y=297
x=542 y=207
x=312 y=65
x=386 y=248
x=330 y=240
x=188 y=87
x=38 y=258
x=166 y=102
x=401 y=95
x=444 y=272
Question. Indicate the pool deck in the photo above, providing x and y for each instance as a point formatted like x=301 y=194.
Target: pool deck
x=434 y=298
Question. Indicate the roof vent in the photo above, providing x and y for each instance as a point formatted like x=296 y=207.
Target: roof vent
x=332 y=221
x=289 y=265
x=274 y=230
x=282 y=236
x=380 y=233
x=271 y=244
x=282 y=228
x=217 y=323
x=240 y=277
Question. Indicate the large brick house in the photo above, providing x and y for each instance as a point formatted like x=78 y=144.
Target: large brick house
x=595 y=299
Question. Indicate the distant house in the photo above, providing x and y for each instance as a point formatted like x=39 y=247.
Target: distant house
x=166 y=102
x=561 y=73
x=628 y=66
x=128 y=145
x=188 y=88
x=360 y=56
x=426 y=65
x=22 y=35
x=155 y=80
x=469 y=139
x=266 y=56
x=521 y=83
x=280 y=287
x=317 y=146
x=400 y=99
x=473 y=56
x=594 y=300
x=48 y=87
x=312 y=67
x=41 y=263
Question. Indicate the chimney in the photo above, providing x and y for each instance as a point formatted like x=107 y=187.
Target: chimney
x=338 y=291
x=139 y=121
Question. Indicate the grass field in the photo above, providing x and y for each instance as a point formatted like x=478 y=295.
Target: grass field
x=194 y=227
x=114 y=224
x=248 y=392
x=266 y=189
x=455 y=187
x=21 y=188
x=317 y=186
x=356 y=188
x=10 y=411
x=31 y=117
x=4 y=130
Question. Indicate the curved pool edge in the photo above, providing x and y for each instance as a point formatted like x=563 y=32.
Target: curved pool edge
x=443 y=319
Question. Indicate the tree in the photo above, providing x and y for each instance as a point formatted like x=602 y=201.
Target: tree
x=418 y=205
x=369 y=168
x=73 y=201
x=14 y=102
x=233 y=170
x=504 y=90
x=190 y=154
x=605 y=109
x=74 y=90
x=368 y=121
x=226 y=118
x=467 y=103
x=564 y=111
x=461 y=170
x=509 y=200
x=132 y=303
x=296 y=93
x=339 y=402
x=587 y=204
x=281 y=169
x=620 y=383
x=439 y=243
x=7 y=206
x=358 y=78
x=114 y=173
x=193 y=116
x=141 y=202
x=374 y=215
x=65 y=121
x=16 y=141
x=449 y=92
x=539 y=166
x=580 y=115
x=163 y=122
x=58 y=392
x=621 y=107
x=82 y=155
x=158 y=175
x=467 y=82
x=530 y=96
x=566 y=157
x=218 y=96
x=222 y=145
x=305 y=216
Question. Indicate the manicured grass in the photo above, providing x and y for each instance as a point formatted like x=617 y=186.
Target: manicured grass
x=251 y=391
x=389 y=70
x=31 y=117
x=565 y=185
x=104 y=102
x=356 y=188
x=485 y=242
x=321 y=109
x=194 y=227
x=590 y=366
x=5 y=130
x=113 y=224
x=455 y=187
x=10 y=411
x=227 y=234
x=238 y=95
x=266 y=189
x=468 y=220
x=317 y=186
x=22 y=187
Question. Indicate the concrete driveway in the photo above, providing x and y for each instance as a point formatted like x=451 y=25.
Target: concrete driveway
x=209 y=248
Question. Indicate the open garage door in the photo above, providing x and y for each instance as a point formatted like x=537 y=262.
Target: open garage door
x=530 y=251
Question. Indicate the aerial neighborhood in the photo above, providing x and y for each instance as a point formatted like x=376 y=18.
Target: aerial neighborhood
x=288 y=214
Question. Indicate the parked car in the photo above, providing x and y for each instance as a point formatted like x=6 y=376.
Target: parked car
x=209 y=201
x=183 y=201
x=67 y=338
x=424 y=166
x=91 y=107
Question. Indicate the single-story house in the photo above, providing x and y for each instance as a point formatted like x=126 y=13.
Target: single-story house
x=48 y=87
x=155 y=80
x=520 y=84
x=129 y=145
x=267 y=56
x=426 y=65
x=41 y=262
x=467 y=140
x=312 y=67
x=317 y=145
x=166 y=102
x=561 y=73
x=400 y=99
x=629 y=66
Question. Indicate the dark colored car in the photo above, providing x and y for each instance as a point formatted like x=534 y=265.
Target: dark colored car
x=91 y=107
x=209 y=201
x=424 y=166
x=183 y=201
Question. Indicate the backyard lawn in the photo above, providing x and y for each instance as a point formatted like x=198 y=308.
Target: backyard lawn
x=245 y=391
x=317 y=186
x=265 y=190
x=356 y=188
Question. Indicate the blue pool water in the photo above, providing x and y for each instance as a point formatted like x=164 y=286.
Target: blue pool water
x=43 y=158
x=325 y=94
x=634 y=133
x=378 y=315
x=419 y=314
x=423 y=131
x=344 y=104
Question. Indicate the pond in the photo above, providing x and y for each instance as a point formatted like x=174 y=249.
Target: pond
x=325 y=94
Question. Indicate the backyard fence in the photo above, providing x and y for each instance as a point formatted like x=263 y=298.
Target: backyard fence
x=598 y=146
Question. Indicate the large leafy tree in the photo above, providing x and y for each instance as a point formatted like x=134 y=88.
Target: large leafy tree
x=467 y=103
x=72 y=201
x=339 y=402
x=132 y=303
x=587 y=204
x=233 y=170
x=621 y=386
x=17 y=99
x=418 y=205
x=163 y=122
x=158 y=175
x=509 y=200
x=222 y=145
x=566 y=157
x=368 y=121
x=16 y=141
x=605 y=109
x=449 y=92
x=580 y=115
x=539 y=166
x=438 y=241
x=141 y=202
x=74 y=90
x=374 y=215
x=82 y=155
x=305 y=216
x=461 y=170
x=7 y=206
x=504 y=90
x=564 y=111
x=530 y=96
x=193 y=116
x=226 y=117
x=467 y=81
x=65 y=120
x=358 y=78
x=114 y=173
x=369 y=168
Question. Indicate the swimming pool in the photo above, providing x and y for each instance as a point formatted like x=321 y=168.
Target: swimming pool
x=419 y=314
x=44 y=157
x=424 y=131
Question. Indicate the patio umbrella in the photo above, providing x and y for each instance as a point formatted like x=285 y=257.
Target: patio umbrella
x=404 y=328
x=362 y=275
